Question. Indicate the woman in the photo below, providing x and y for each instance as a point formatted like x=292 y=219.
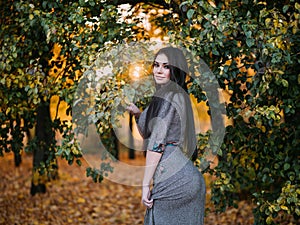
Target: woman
x=167 y=126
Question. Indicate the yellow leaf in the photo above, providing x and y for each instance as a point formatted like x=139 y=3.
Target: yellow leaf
x=80 y=200
x=283 y=207
x=269 y=220
x=31 y=16
x=97 y=209
x=94 y=45
x=212 y=3
x=7 y=110
x=36 y=12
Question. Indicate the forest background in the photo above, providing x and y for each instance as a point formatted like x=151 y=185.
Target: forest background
x=252 y=47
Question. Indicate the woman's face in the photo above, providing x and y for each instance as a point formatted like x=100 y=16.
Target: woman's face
x=161 y=69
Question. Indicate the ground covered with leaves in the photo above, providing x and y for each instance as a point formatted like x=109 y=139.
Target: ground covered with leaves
x=75 y=199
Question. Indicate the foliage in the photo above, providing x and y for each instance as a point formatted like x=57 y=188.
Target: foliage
x=106 y=89
x=252 y=47
x=29 y=32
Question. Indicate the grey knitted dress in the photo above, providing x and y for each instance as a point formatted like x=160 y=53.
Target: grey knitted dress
x=178 y=187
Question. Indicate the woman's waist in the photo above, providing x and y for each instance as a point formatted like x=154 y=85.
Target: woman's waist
x=172 y=143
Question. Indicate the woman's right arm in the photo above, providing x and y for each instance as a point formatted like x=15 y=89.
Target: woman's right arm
x=152 y=160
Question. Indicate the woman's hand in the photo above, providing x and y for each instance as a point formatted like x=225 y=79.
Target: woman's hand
x=133 y=109
x=146 y=195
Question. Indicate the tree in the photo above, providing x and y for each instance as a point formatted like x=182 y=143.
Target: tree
x=29 y=32
x=259 y=158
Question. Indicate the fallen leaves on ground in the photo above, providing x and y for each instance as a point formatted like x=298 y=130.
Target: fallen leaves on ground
x=76 y=199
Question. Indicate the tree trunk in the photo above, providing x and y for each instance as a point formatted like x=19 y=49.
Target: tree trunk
x=17 y=158
x=115 y=150
x=17 y=138
x=131 y=153
x=45 y=137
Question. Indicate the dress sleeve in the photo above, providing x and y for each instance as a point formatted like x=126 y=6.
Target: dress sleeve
x=159 y=127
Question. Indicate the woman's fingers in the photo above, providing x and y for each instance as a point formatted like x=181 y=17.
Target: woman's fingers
x=148 y=203
x=146 y=197
x=130 y=107
x=133 y=109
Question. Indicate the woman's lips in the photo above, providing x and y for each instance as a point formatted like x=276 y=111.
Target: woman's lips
x=159 y=77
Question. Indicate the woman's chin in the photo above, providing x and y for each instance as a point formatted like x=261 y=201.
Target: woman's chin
x=161 y=82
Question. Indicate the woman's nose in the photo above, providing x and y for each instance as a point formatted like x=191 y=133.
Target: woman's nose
x=159 y=69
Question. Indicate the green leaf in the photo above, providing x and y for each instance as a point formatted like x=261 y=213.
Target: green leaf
x=285 y=8
x=248 y=34
x=284 y=82
x=78 y=162
x=250 y=42
x=286 y=166
x=92 y=3
x=190 y=13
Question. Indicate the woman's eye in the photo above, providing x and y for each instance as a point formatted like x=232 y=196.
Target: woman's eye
x=156 y=65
